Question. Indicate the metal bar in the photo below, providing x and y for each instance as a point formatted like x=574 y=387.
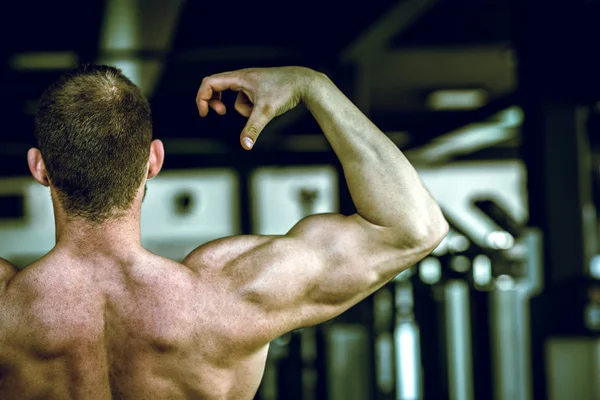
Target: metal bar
x=374 y=40
x=395 y=21
x=125 y=36
x=458 y=337
x=408 y=361
x=425 y=131
x=510 y=324
x=348 y=352
x=409 y=374
x=505 y=340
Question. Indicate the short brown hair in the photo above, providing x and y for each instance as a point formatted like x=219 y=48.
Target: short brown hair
x=94 y=130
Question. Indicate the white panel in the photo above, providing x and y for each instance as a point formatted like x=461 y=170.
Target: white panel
x=213 y=214
x=32 y=236
x=276 y=196
x=573 y=368
x=455 y=185
x=213 y=211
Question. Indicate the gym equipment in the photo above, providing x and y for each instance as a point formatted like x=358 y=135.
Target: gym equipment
x=516 y=269
x=480 y=296
x=184 y=209
x=409 y=375
x=443 y=310
x=384 y=340
x=348 y=355
x=556 y=97
x=27 y=232
x=570 y=313
x=458 y=337
x=276 y=207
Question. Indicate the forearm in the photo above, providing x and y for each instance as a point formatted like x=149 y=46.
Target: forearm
x=386 y=189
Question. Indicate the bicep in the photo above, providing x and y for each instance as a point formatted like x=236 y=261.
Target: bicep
x=326 y=264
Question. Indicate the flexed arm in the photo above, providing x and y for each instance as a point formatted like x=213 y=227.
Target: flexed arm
x=328 y=262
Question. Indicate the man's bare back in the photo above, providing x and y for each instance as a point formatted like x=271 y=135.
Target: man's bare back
x=101 y=318
x=146 y=328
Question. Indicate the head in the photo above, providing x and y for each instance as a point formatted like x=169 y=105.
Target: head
x=95 y=150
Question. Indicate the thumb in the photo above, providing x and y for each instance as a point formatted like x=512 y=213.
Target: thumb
x=256 y=123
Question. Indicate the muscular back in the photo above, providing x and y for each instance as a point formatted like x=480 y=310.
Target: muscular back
x=147 y=328
x=143 y=327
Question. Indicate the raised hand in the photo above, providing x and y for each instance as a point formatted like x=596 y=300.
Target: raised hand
x=264 y=93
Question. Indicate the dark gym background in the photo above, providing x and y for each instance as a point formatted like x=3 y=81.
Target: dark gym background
x=496 y=102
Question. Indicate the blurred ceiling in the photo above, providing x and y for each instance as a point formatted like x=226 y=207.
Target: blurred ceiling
x=388 y=56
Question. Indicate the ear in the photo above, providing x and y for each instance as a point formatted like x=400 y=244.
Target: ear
x=37 y=166
x=157 y=156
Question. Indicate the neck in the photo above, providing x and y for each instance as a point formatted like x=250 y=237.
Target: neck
x=113 y=238
x=118 y=237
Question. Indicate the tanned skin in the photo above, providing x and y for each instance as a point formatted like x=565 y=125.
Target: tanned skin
x=99 y=317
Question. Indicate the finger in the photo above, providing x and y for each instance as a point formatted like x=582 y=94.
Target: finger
x=216 y=84
x=216 y=103
x=218 y=106
x=243 y=105
x=256 y=123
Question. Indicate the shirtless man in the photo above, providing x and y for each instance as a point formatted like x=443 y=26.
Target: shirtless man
x=99 y=317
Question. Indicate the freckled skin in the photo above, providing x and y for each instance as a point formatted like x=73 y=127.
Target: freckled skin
x=147 y=329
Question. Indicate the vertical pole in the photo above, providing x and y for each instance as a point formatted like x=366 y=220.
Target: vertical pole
x=557 y=156
x=458 y=337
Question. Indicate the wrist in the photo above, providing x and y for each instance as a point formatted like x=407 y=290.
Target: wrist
x=313 y=84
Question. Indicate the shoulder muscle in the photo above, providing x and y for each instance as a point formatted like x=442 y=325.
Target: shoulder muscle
x=218 y=253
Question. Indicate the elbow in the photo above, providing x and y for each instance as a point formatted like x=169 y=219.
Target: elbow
x=428 y=235
x=441 y=231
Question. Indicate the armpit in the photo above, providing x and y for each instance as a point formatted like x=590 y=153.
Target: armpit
x=7 y=271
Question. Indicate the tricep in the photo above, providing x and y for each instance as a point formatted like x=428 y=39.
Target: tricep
x=326 y=264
